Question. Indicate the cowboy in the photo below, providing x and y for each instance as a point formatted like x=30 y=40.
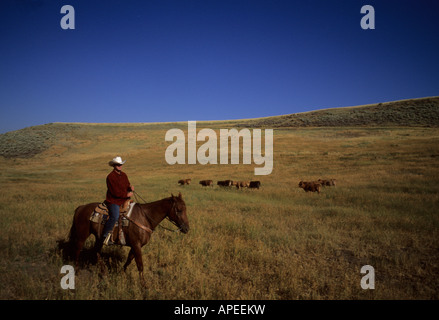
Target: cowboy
x=119 y=189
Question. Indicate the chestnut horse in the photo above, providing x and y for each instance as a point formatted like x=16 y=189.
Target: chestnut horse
x=144 y=218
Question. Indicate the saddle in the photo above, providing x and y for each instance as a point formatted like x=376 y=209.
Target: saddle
x=103 y=209
x=100 y=216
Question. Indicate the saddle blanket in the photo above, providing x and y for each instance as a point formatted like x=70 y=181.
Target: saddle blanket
x=100 y=214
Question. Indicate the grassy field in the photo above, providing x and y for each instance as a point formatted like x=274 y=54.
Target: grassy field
x=274 y=243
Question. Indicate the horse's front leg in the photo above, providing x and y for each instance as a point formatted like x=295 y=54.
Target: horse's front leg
x=129 y=259
x=139 y=262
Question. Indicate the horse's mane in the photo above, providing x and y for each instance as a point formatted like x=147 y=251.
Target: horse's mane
x=148 y=204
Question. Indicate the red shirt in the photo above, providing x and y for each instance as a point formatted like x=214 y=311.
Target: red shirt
x=118 y=186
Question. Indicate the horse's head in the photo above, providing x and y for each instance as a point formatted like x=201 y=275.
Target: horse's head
x=178 y=213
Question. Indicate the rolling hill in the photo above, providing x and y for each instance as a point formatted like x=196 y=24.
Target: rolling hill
x=422 y=112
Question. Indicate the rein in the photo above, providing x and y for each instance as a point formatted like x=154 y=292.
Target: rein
x=137 y=224
x=150 y=219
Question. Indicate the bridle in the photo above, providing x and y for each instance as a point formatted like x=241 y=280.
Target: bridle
x=151 y=221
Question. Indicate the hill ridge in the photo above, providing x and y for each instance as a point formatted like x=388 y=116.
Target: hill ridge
x=408 y=112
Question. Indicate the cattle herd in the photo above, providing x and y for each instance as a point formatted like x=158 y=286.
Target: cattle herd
x=225 y=183
x=313 y=186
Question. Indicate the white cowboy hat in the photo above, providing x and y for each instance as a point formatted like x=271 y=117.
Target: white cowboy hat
x=117 y=160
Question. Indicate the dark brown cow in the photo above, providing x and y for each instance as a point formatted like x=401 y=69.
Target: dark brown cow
x=310 y=186
x=182 y=182
x=330 y=182
x=225 y=183
x=206 y=183
x=255 y=184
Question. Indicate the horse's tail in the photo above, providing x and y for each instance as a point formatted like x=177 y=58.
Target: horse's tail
x=66 y=246
x=71 y=238
x=73 y=235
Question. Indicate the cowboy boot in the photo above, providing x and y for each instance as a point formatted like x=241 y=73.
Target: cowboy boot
x=107 y=240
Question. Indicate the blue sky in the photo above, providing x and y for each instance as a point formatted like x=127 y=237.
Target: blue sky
x=149 y=61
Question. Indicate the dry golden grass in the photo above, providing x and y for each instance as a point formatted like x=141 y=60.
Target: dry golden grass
x=274 y=243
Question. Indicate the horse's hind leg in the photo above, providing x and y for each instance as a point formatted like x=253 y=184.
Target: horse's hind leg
x=98 y=246
x=77 y=251
x=99 y=243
